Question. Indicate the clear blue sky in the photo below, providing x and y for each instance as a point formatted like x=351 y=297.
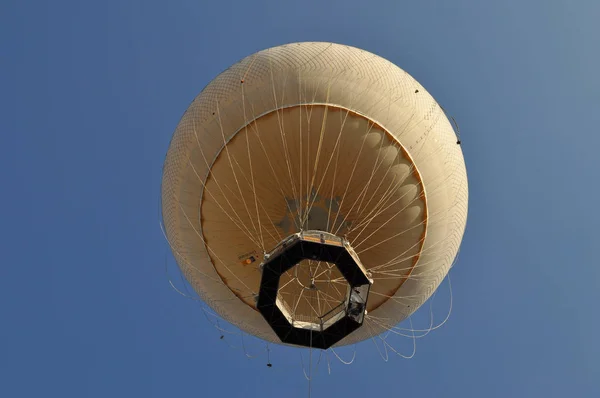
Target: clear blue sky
x=90 y=93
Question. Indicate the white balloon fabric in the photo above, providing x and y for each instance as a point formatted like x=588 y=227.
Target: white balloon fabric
x=314 y=136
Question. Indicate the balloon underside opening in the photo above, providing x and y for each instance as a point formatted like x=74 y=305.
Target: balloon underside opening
x=327 y=326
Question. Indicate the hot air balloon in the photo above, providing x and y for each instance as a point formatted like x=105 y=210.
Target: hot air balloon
x=314 y=195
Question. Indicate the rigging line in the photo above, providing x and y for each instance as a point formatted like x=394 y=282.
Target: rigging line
x=365 y=188
x=216 y=324
x=310 y=366
x=309 y=116
x=376 y=168
x=336 y=302
x=371 y=332
x=431 y=327
x=331 y=199
x=417 y=273
x=398 y=259
x=244 y=347
x=399 y=300
x=237 y=223
x=309 y=112
x=348 y=186
x=224 y=265
x=300 y=169
x=297 y=303
x=331 y=299
x=389 y=193
x=378 y=207
x=341 y=360
x=185 y=285
x=389 y=219
x=319 y=360
x=209 y=173
x=199 y=299
x=282 y=132
x=396 y=352
x=383 y=268
x=318 y=154
x=308 y=299
x=377 y=102
x=423 y=222
x=327 y=266
x=282 y=127
x=312 y=276
x=413 y=337
x=310 y=268
x=251 y=168
x=328 y=362
x=365 y=223
x=231 y=166
x=370 y=124
x=392 y=272
x=169 y=278
x=319 y=301
x=265 y=212
x=303 y=367
x=336 y=147
x=280 y=186
x=328 y=286
x=334 y=78
x=287 y=283
x=181 y=257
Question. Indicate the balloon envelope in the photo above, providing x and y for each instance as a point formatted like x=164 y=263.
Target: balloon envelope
x=314 y=136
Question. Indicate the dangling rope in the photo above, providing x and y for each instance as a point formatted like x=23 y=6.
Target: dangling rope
x=455 y=126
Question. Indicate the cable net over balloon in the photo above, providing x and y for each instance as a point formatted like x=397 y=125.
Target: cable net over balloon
x=315 y=136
